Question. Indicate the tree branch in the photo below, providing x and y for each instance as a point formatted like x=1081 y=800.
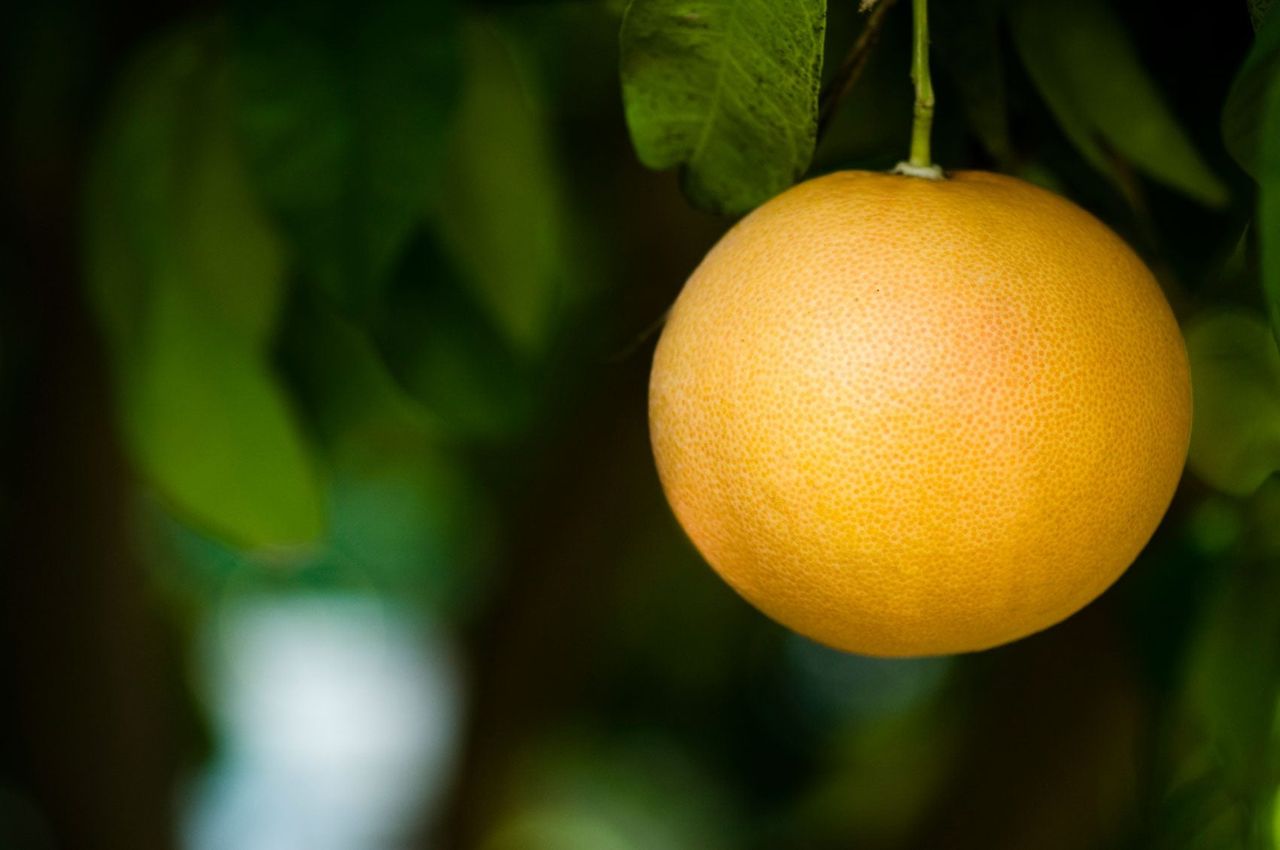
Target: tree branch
x=853 y=64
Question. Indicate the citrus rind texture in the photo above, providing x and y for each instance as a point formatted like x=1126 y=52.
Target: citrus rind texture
x=912 y=417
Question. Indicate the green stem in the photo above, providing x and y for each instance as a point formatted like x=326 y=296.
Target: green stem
x=920 y=163
x=923 y=125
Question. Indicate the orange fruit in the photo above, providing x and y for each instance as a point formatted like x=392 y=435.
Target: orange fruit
x=912 y=417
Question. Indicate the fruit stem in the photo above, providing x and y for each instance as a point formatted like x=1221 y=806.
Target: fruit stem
x=920 y=163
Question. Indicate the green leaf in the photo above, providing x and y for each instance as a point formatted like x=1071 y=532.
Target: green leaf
x=1243 y=113
x=1087 y=69
x=167 y=165
x=343 y=383
x=344 y=118
x=501 y=213
x=970 y=54
x=407 y=524
x=1258 y=12
x=415 y=519
x=1235 y=369
x=406 y=517
x=1234 y=671
x=446 y=350
x=1269 y=204
x=577 y=792
x=211 y=428
x=728 y=91
x=1225 y=780
x=187 y=276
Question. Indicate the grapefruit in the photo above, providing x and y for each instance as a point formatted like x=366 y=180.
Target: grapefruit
x=913 y=417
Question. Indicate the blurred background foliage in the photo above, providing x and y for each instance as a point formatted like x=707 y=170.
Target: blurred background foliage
x=328 y=514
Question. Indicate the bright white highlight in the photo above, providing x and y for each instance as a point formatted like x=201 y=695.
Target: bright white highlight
x=337 y=718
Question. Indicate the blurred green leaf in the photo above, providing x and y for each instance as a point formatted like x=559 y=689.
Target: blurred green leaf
x=1234 y=677
x=1275 y=817
x=585 y=795
x=727 y=91
x=430 y=361
x=1244 y=111
x=168 y=204
x=210 y=426
x=416 y=520
x=187 y=276
x=343 y=382
x=1269 y=198
x=406 y=522
x=405 y=515
x=1235 y=369
x=501 y=214
x=970 y=54
x=1258 y=12
x=1226 y=779
x=1216 y=525
x=881 y=777
x=445 y=349
x=1264 y=521
x=1081 y=59
x=412 y=523
x=344 y=117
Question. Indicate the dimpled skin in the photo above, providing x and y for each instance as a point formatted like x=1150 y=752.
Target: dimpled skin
x=913 y=417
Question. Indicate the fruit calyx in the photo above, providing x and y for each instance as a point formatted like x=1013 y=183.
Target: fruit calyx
x=926 y=172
